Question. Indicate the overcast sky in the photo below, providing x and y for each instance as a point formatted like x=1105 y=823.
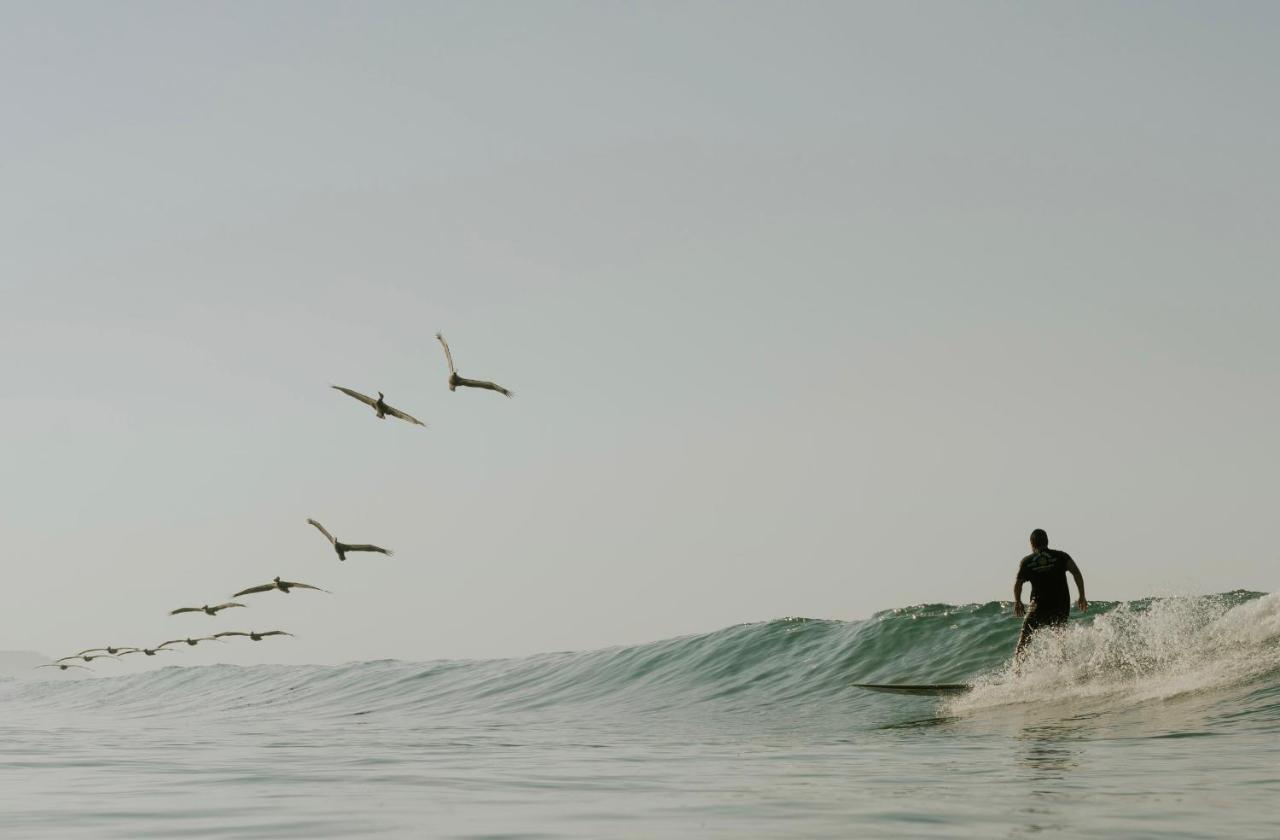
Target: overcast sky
x=810 y=309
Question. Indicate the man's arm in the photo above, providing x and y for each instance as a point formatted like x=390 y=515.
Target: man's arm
x=1083 y=603
x=1018 y=608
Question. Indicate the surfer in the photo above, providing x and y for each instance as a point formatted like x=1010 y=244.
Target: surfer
x=1046 y=570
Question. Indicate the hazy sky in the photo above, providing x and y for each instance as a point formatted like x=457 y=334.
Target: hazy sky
x=811 y=309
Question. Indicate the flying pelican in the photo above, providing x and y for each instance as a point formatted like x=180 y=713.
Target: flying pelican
x=257 y=637
x=379 y=406
x=87 y=657
x=111 y=650
x=62 y=667
x=342 y=548
x=455 y=381
x=206 y=609
x=276 y=583
x=148 y=651
x=189 y=641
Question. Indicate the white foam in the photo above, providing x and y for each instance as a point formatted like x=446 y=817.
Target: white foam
x=1133 y=654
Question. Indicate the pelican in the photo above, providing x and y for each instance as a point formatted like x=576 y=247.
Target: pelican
x=206 y=609
x=455 y=381
x=148 y=651
x=342 y=548
x=87 y=657
x=108 y=649
x=380 y=406
x=63 y=666
x=276 y=583
x=192 y=642
x=257 y=637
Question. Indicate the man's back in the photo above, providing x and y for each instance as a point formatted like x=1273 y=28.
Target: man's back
x=1046 y=570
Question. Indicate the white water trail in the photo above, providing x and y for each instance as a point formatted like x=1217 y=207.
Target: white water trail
x=1134 y=654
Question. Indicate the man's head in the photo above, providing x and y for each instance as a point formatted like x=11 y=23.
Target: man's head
x=1039 y=539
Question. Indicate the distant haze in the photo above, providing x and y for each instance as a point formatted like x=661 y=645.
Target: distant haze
x=22 y=663
x=810 y=309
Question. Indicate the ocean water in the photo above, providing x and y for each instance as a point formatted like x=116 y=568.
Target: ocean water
x=1158 y=718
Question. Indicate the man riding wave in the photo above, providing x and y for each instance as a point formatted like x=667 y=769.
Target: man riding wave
x=1046 y=570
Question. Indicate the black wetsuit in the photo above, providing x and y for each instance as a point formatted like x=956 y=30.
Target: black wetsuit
x=1046 y=571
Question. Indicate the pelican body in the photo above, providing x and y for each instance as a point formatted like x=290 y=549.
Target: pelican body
x=256 y=637
x=89 y=657
x=380 y=406
x=276 y=583
x=456 y=381
x=342 y=548
x=188 y=641
x=206 y=609
x=147 y=651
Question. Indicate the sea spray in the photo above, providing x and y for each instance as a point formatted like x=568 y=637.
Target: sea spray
x=1146 y=650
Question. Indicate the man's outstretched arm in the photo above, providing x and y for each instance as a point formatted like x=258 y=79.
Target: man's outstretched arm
x=1083 y=603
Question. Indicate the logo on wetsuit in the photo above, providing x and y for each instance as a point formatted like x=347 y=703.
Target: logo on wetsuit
x=1041 y=561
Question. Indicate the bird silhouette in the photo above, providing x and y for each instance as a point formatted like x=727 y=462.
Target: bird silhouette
x=342 y=548
x=456 y=381
x=206 y=609
x=380 y=406
x=257 y=637
x=276 y=583
x=111 y=650
x=192 y=642
x=88 y=657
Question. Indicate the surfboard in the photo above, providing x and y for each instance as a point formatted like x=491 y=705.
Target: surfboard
x=937 y=689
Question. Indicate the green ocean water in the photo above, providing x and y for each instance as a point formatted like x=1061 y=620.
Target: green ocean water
x=1158 y=718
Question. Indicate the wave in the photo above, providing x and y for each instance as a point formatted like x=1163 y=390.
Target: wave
x=1134 y=651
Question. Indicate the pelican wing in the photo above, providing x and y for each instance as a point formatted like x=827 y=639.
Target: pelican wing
x=185 y=609
x=90 y=650
x=395 y=412
x=378 y=549
x=304 y=586
x=275 y=633
x=355 y=395
x=266 y=587
x=228 y=605
x=322 y=530
x=447 y=354
x=485 y=384
x=229 y=633
x=127 y=652
x=170 y=642
x=65 y=658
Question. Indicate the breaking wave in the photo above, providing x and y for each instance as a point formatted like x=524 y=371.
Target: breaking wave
x=1227 y=646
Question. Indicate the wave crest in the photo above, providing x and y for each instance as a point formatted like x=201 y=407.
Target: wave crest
x=1141 y=650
